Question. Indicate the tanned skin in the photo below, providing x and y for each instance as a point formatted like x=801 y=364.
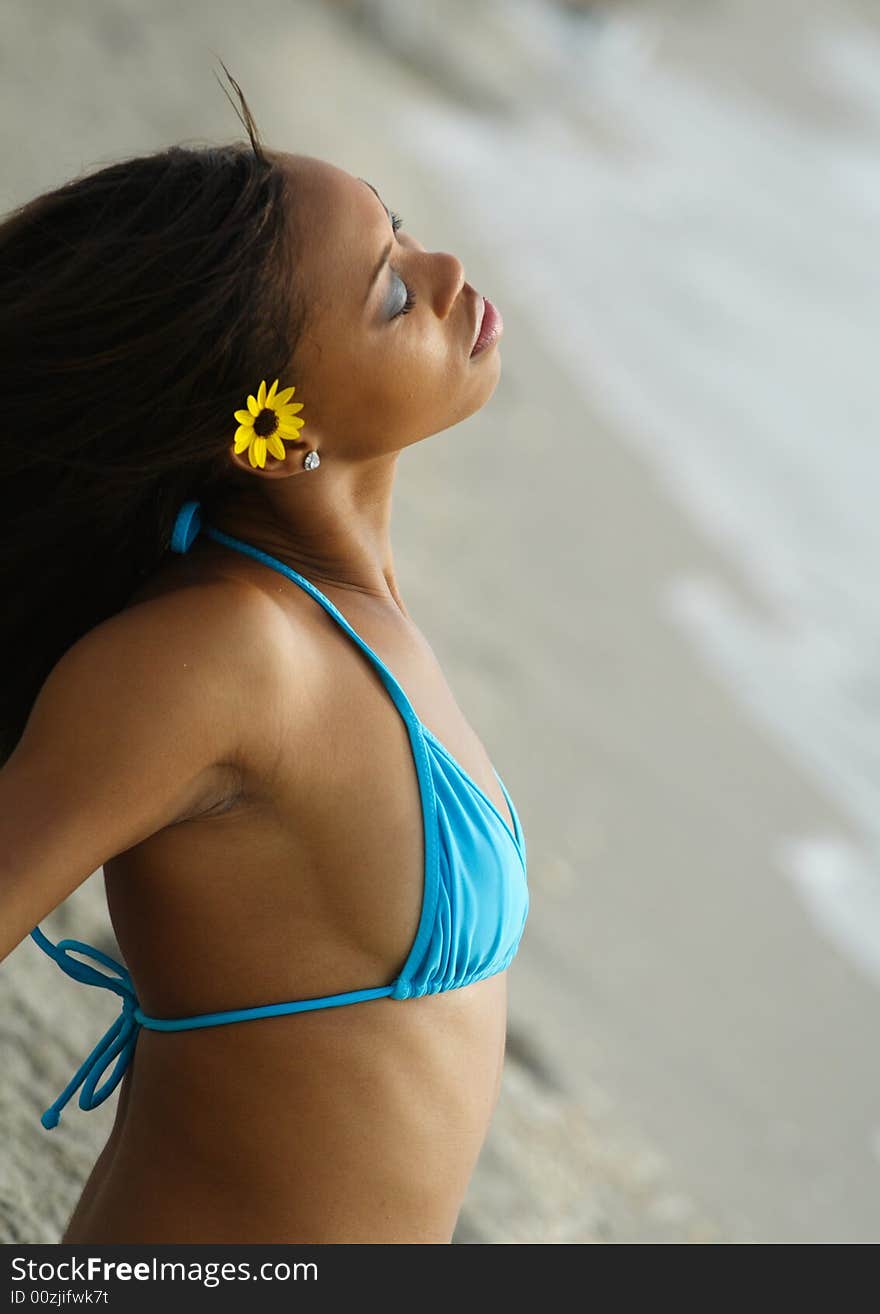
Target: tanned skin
x=233 y=761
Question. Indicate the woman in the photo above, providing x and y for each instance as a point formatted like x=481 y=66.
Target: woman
x=214 y=690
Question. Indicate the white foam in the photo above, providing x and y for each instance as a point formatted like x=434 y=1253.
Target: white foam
x=841 y=892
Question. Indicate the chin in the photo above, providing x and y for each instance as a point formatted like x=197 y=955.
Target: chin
x=489 y=374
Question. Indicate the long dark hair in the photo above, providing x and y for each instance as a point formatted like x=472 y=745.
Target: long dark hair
x=139 y=305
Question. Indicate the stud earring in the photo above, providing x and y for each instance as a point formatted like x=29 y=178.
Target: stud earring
x=312 y=461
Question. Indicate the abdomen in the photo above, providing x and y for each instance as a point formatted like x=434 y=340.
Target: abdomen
x=354 y=1124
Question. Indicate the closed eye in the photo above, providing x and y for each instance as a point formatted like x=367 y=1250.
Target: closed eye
x=396 y=224
x=408 y=304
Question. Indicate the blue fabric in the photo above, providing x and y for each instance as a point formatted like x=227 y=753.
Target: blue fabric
x=475 y=894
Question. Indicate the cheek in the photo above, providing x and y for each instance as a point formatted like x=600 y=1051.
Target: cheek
x=399 y=381
x=364 y=395
x=395 y=373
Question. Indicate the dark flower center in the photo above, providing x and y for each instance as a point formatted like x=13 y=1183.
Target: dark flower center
x=265 y=423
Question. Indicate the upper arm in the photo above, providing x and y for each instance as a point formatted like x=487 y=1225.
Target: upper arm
x=124 y=729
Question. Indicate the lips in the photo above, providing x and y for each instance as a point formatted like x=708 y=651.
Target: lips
x=490 y=328
x=479 y=311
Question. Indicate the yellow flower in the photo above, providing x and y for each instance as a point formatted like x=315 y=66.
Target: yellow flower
x=269 y=418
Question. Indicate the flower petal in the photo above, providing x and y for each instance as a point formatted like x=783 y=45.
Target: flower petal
x=290 y=429
x=276 y=447
x=284 y=396
x=261 y=395
x=252 y=454
x=243 y=438
x=260 y=445
x=289 y=409
x=271 y=393
x=253 y=405
x=244 y=417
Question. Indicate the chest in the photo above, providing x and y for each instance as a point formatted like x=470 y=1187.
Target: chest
x=376 y=728
x=352 y=723
x=341 y=808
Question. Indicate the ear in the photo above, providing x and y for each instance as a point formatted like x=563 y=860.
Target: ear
x=275 y=468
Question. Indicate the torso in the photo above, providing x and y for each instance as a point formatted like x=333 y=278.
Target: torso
x=298 y=876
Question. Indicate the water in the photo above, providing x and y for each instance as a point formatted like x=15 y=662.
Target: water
x=701 y=218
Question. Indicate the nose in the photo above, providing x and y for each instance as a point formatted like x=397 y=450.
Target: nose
x=448 y=281
x=445 y=276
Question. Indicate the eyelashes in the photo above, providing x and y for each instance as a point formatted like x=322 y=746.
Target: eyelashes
x=396 y=223
x=408 y=304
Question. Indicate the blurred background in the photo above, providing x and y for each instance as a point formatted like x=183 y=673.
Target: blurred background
x=647 y=566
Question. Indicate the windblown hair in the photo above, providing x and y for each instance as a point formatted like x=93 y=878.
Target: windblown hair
x=139 y=305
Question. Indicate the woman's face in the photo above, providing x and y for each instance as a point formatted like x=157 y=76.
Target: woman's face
x=379 y=366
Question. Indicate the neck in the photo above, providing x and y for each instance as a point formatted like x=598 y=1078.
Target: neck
x=333 y=527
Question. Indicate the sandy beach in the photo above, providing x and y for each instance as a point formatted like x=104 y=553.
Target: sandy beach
x=688 y=1060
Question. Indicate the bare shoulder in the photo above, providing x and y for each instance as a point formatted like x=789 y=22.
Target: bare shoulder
x=222 y=639
x=142 y=720
x=234 y=630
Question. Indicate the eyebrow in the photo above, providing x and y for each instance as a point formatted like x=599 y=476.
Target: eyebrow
x=389 y=248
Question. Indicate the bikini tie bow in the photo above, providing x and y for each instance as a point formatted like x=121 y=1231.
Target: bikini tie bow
x=119 y=1039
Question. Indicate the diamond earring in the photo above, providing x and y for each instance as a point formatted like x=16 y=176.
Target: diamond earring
x=312 y=461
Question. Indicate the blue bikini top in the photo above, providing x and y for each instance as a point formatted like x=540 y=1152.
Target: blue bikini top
x=475 y=893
